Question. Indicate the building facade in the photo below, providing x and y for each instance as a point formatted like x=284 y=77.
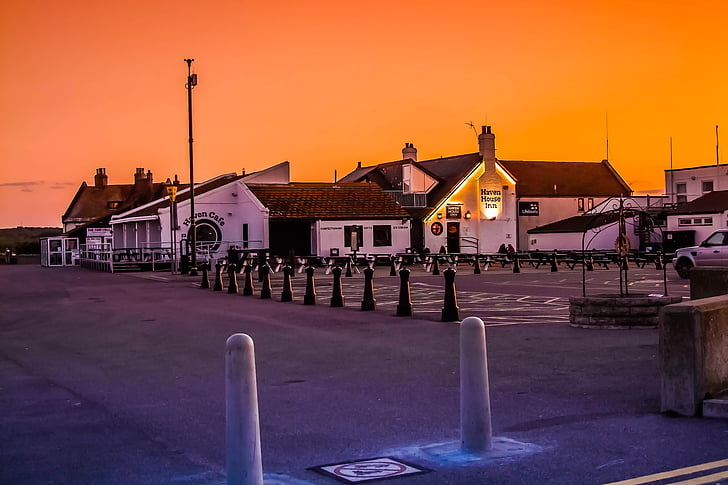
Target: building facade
x=686 y=184
x=476 y=202
x=264 y=210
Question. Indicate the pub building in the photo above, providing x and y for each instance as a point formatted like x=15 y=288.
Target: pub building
x=475 y=202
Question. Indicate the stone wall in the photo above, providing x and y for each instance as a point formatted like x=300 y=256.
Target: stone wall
x=708 y=281
x=617 y=312
x=693 y=354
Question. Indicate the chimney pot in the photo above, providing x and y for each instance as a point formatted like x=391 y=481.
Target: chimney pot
x=486 y=144
x=409 y=151
x=100 y=179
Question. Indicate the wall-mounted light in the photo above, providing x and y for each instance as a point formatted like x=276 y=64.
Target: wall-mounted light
x=439 y=215
x=468 y=215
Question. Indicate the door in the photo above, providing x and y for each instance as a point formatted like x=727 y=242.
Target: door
x=453 y=237
x=70 y=251
x=55 y=251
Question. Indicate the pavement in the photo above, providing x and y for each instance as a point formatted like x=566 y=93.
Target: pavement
x=119 y=379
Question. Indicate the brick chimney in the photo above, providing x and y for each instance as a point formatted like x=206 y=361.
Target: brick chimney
x=100 y=179
x=409 y=151
x=486 y=145
x=139 y=176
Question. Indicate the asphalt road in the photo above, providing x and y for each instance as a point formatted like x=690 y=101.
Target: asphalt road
x=118 y=379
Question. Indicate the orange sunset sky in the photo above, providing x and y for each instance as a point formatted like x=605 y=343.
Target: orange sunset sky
x=325 y=84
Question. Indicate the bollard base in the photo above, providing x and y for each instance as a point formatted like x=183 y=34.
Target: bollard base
x=452 y=452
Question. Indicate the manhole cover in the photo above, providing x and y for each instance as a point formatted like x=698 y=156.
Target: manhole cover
x=361 y=471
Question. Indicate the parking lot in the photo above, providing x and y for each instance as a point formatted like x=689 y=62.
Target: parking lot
x=118 y=378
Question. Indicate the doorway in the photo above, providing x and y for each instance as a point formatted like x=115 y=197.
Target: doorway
x=453 y=237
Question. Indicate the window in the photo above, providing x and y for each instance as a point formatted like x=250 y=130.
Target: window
x=359 y=238
x=580 y=204
x=681 y=199
x=707 y=186
x=590 y=203
x=382 y=235
x=717 y=239
x=695 y=221
x=681 y=188
x=113 y=204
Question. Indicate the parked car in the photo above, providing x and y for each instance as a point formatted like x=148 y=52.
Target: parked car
x=711 y=252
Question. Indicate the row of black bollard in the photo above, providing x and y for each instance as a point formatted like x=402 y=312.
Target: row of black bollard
x=450 y=309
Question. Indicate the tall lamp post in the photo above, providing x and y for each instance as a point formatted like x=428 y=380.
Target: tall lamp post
x=191 y=83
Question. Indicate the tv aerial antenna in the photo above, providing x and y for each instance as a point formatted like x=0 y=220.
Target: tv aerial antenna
x=472 y=125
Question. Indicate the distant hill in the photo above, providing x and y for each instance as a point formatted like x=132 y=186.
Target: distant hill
x=25 y=240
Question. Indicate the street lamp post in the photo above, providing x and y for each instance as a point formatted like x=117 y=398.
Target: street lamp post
x=191 y=83
x=172 y=193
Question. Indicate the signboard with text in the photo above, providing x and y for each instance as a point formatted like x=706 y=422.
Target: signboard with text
x=528 y=209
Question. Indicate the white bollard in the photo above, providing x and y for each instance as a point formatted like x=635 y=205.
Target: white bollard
x=243 y=460
x=475 y=426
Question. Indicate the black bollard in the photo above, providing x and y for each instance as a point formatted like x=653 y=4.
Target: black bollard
x=404 y=307
x=233 y=276
x=218 y=277
x=368 y=303
x=287 y=293
x=450 y=310
x=554 y=266
x=392 y=266
x=310 y=297
x=516 y=264
x=337 y=298
x=248 y=288
x=184 y=264
x=265 y=289
x=435 y=266
x=476 y=266
x=589 y=263
x=205 y=284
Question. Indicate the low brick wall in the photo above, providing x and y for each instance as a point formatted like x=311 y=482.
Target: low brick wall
x=693 y=354
x=639 y=311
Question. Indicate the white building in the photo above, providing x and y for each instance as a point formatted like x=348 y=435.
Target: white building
x=687 y=184
x=264 y=210
x=693 y=221
x=476 y=202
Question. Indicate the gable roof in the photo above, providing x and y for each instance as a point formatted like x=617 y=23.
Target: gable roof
x=712 y=202
x=91 y=203
x=152 y=208
x=332 y=201
x=578 y=223
x=448 y=171
x=559 y=179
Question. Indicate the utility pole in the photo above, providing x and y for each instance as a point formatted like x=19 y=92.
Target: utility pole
x=191 y=83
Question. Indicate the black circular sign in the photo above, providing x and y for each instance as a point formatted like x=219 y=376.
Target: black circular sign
x=436 y=228
x=208 y=234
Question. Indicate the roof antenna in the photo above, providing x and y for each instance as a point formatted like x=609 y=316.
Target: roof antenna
x=335 y=177
x=606 y=129
x=470 y=124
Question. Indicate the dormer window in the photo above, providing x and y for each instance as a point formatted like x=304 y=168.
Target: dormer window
x=113 y=204
x=414 y=180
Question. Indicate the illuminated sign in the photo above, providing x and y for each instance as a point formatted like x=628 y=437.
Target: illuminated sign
x=454 y=212
x=491 y=202
x=528 y=209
